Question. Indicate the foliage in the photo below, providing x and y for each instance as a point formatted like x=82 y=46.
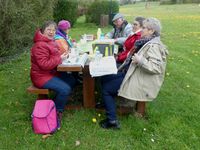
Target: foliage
x=83 y=6
x=67 y=10
x=18 y=22
x=173 y=118
x=101 y=7
x=178 y=1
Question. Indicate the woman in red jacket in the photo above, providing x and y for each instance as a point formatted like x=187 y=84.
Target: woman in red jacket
x=130 y=41
x=45 y=57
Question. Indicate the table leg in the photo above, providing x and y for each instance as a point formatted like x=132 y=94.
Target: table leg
x=88 y=89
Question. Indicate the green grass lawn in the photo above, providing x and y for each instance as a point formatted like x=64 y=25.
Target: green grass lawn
x=173 y=117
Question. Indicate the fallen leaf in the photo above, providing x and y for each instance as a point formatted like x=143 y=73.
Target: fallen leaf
x=152 y=140
x=46 y=136
x=77 y=143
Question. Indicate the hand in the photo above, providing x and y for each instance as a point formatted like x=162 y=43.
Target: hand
x=136 y=58
x=64 y=55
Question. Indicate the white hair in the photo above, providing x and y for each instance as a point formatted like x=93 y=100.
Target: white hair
x=153 y=24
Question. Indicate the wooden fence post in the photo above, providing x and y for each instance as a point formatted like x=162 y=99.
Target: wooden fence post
x=104 y=20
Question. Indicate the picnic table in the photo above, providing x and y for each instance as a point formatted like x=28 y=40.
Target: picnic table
x=88 y=80
x=88 y=83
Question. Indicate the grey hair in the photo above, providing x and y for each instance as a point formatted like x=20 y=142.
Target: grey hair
x=153 y=24
x=140 y=20
x=46 y=24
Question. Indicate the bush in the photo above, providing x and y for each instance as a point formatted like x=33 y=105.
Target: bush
x=67 y=10
x=101 y=7
x=19 y=21
x=83 y=6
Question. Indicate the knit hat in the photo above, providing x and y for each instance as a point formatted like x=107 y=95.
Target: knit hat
x=117 y=16
x=64 y=25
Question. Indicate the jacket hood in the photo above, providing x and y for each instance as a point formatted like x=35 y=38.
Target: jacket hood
x=39 y=37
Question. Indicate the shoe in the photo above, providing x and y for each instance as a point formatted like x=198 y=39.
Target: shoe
x=107 y=124
x=100 y=105
x=59 y=115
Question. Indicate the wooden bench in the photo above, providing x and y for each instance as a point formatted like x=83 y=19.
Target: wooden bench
x=42 y=93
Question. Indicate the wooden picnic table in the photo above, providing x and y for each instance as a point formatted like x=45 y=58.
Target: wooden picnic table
x=88 y=83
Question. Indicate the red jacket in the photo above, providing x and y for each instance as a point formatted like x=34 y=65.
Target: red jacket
x=128 y=44
x=44 y=59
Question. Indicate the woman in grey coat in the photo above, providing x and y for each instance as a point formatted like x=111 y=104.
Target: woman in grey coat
x=144 y=76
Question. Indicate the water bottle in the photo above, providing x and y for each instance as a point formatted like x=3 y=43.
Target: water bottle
x=98 y=33
x=98 y=56
x=102 y=36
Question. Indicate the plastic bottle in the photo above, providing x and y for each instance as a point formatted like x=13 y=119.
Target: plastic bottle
x=98 y=33
x=98 y=56
x=102 y=36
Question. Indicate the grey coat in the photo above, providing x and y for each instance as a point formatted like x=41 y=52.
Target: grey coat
x=126 y=32
x=143 y=81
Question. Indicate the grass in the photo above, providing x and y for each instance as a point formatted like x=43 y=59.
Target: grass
x=173 y=117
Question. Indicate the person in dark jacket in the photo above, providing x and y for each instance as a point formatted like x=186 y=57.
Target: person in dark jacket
x=45 y=57
x=121 y=30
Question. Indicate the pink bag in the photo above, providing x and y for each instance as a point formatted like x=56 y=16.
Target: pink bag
x=44 y=117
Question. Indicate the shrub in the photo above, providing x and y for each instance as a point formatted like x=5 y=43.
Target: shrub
x=101 y=7
x=66 y=9
x=83 y=6
x=19 y=21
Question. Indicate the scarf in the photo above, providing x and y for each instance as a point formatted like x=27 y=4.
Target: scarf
x=137 y=46
x=119 y=32
x=62 y=34
x=65 y=36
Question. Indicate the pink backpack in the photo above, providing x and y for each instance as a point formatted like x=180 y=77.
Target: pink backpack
x=44 y=117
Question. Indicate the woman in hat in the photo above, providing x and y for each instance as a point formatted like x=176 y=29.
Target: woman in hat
x=62 y=37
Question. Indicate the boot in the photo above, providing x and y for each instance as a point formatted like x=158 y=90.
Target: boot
x=59 y=116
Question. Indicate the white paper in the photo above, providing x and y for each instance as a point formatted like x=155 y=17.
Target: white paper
x=80 y=60
x=107 y=65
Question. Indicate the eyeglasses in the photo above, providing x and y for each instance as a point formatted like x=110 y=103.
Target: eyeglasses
x=135 y=24
x=144 y=27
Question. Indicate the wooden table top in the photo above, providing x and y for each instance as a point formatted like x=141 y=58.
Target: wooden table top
x=63 y=67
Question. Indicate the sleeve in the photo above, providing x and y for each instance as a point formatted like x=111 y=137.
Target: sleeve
x=122 y=56
x=46 y=60
x=63 y=46
x=152 y=62
x=110 y=34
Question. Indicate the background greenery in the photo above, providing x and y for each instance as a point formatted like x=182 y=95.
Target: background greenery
x=173 y=118
x=99 y=7
x=66 y=10
x=19 y=19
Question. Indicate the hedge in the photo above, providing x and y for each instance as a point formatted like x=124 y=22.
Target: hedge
x=67 y=10
x=101 y=7
x=19 y=20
